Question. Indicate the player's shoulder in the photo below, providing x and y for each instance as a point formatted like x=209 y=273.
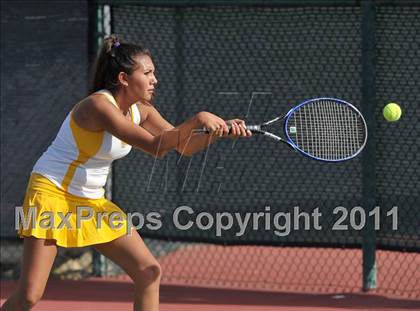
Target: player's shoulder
x=93 y=107
x=97 y=102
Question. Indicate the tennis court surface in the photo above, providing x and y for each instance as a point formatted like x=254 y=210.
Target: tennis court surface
x=224 y=285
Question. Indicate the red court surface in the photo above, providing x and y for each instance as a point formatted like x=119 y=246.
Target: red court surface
x=210 y=277
x=106 y=295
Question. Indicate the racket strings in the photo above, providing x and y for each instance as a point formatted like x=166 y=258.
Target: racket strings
x=327 y=130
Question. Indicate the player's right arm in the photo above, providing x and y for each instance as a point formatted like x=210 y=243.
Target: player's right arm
x=100 y=114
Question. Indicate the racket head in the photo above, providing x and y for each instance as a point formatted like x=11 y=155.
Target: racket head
x=326 y=129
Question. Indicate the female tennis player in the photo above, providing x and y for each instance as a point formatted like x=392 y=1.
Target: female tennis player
x=70 y=176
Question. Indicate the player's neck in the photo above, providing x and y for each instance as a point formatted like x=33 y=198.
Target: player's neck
x=123 y=101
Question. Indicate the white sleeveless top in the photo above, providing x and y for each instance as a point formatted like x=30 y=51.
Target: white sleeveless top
x=78 y=161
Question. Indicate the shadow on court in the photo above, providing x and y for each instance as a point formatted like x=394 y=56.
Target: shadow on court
x=105 y=291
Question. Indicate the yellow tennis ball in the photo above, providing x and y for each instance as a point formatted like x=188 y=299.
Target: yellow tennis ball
x=392 y=112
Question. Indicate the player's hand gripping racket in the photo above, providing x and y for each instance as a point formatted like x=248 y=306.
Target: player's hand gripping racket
x=324 y=129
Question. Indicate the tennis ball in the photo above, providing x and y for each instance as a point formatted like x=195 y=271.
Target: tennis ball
x=392 y=112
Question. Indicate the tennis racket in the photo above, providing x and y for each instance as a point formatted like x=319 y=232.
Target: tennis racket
x=324 y=129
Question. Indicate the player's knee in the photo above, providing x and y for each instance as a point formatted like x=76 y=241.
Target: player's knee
x=149 y=275
x=29 y=297
x=152 y=273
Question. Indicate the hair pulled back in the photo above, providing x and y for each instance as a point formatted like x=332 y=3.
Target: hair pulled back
x=115 y=57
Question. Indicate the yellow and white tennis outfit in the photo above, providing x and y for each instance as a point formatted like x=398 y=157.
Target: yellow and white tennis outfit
x=69 y=178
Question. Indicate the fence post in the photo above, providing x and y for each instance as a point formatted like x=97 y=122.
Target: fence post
x=99 y=25
x=368 y=160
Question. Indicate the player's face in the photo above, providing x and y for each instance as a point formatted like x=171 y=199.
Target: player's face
x=143 y=80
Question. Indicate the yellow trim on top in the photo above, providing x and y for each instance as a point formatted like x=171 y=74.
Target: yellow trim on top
x=88 y=143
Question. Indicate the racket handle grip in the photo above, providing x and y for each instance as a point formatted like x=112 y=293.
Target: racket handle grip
x=252 y=128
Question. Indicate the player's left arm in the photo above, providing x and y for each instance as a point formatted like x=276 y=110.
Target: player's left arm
x=154 y=123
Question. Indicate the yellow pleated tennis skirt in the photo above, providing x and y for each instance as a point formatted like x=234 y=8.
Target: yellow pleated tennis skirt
x=51 y=213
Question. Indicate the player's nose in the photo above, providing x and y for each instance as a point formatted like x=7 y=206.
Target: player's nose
x=154 y=80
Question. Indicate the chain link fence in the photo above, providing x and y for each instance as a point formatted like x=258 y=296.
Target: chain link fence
x=44 y=72
x=254 y=62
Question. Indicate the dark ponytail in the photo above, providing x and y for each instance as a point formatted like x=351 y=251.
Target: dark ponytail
x=114 y=57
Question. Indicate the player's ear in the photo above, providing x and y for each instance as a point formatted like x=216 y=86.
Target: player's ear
x=123 y=78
